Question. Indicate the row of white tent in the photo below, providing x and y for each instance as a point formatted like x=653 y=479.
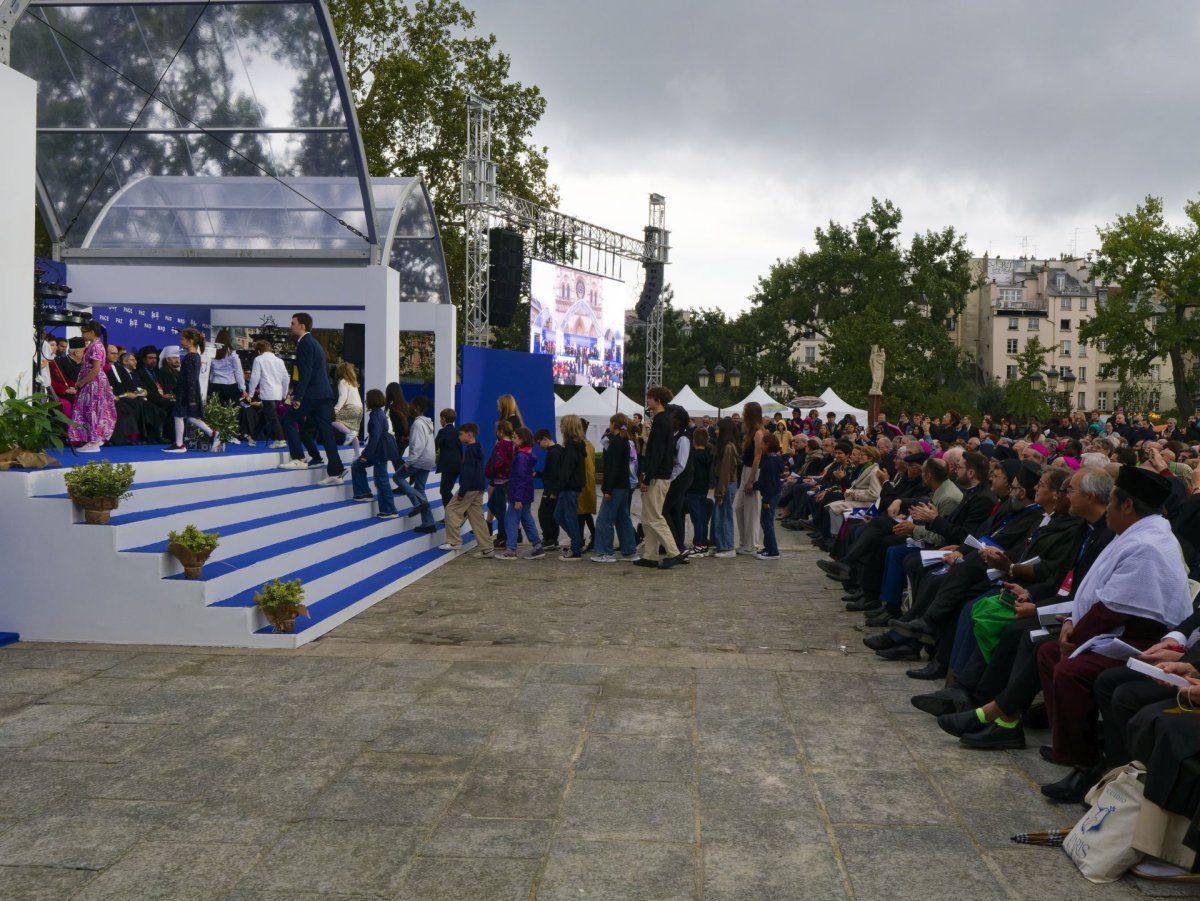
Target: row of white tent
x=597 y=406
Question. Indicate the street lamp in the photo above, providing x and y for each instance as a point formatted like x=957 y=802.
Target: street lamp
x=1037 y=380
x=703 y=376
x=735 y=378
x=1052 y=378
x=1068 y=383
x=719 y=375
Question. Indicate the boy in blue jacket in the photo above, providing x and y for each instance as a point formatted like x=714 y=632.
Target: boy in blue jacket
x=381 y=450
x=769 y=485
x=468 y=503
x=520 y=499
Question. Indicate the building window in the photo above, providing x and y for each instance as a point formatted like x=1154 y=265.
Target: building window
x=810 y=354
x=1064 y=304
x=1010 y=372
x=1154 y=400
x=1065 y=347
x=1083 y=303
x=1082 y=373
x=1082 y=404
x=1012 y=345
x=1101 y=345
x=1031 y=324
x=1011 y=295
x=1064 y=325
x=951 y=324
x=1082 y=352
x=1013 y=324
x=1156 y=371
x=1102 y=400
x=1060 y=280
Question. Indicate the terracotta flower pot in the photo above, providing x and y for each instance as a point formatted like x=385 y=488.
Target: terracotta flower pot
x=193 y=561
x=283 y=617
x=96 y=510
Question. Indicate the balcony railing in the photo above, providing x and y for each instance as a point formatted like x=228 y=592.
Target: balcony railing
x=1025 y=305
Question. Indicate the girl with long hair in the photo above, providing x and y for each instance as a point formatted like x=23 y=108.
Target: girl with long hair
x=348 y=411
x=506 y=406
x=226 y=379
x=189 y=406
x=725 y=489
x=746 y=506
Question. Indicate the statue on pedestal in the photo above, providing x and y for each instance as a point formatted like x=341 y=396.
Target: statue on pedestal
x=878 y=358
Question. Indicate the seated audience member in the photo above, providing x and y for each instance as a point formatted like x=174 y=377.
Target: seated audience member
x=72 y=362
x=136 y=416
x=168 y=370
x=1136 y=587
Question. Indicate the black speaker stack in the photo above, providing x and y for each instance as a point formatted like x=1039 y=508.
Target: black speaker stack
x=507 y=249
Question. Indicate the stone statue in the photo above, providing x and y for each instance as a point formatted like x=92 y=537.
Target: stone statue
x=878 y=357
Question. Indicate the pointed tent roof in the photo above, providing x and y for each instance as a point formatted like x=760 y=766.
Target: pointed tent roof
x=770 y=405
x=586 y=402
x=693 y=403
x=622 y=403
x=834 y=404
x=558 y=402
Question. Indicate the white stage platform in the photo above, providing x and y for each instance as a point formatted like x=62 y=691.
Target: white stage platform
x=67 y=581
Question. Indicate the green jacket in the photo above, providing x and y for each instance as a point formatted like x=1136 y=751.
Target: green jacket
x=946 y=498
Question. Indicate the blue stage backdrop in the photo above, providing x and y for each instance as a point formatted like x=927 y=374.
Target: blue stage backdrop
x=135 y=327
x=486 y=374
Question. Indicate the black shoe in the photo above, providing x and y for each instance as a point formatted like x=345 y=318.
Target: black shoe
x=653 y=564
x=995 y=738
x=880 y=642
x=1072 y=788
x=670 y=562
x=1035 y=717
x=931 y=670
x=838 y=570
x=863 y=603
x=904 y=651
x=914 y=628
x=425 y=530
x=852 y=596
x=960 y=723
x=417 y=511
x=1047 y=753
x=806 y=524
x=881 y=617
x=790 y=525
x=943 y=701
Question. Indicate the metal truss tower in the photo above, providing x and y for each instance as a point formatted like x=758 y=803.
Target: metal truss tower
x=657 y=248
x=484 y=203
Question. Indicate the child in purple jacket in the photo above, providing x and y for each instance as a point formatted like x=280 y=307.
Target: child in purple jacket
x=520 y=499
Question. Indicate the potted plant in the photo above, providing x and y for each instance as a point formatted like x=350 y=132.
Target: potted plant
x=281 y=603
x=28 y=425
x=98 y=487
x=222 y=418
x=192 y=548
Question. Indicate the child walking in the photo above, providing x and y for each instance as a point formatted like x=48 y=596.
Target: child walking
x=468 y=503
x=449 y=454
x=566 y=509
x=498 y=469
x=769 y=484
x=725 y=489
x=381 y=450
x=616 y=486
x=348 y=411
x=520 y=499
x=549 y=475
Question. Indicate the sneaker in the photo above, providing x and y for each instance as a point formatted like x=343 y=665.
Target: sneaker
x=250 y=442
x=235 y=441
x=505 y=554
x=642 y=561
x=364 y=498
x=217 y=447
x=632 y=558
x=484 y=552
x=449 y=547
x=333 y=480
x=278 y=445
x=552 y=546
x=763 y=555
x=425 y=530
x=536 y=551
x=293 y=464
x=92 y=447
x=386 y=515
x=175 y=449
x=725 y=555
x=603 y=558
x=313 y=463
x=744 y=552
x=567 y=555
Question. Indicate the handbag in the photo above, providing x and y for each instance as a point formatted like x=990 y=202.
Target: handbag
x=1101 y=844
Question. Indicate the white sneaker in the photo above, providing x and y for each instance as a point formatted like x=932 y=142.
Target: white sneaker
x=333 y=480
x=632 y=559
x=238 y=441
x=278 y=445
x=90 y=448
x=250 y=442
x=603 y=558
x=449 y=547
x=294 y=464
x=218 y=446
x=763 y=555
x=725 y=555
x=745 y=553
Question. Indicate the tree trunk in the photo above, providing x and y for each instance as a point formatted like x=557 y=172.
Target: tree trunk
x=1183 y=398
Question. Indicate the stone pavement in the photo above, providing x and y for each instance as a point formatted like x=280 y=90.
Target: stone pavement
x=536 y=729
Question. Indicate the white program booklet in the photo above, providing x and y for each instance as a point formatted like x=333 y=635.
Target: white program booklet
x=1108 y=646
x=1049 y=614
x=1149 y=669
x=932 y=558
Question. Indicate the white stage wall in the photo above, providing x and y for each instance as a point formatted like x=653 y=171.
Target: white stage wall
x=18 y=176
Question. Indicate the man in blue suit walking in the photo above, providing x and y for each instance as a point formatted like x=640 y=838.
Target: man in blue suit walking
x=312 y=400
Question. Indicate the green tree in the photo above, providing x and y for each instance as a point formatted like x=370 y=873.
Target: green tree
x=1021 y=398
x=861 y=286
x=1157 y=268
x=411 y=68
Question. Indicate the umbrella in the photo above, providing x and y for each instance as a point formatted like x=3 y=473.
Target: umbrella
x=808 y=403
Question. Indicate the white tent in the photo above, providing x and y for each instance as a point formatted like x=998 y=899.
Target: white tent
x=770 y=406
x=587 y=404
x=618 y=402
x=558 y=402
x=834 y=404
x=690 y=401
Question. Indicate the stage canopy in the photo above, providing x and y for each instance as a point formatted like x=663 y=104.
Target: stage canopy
x=693 y=403
x=770 y=406
x=834 y=404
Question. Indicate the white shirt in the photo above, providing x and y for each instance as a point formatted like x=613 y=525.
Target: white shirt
x=269 y=376
x=347 y=396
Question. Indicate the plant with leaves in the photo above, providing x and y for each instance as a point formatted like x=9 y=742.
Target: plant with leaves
x=1154 y=313
x=100 y=479
x=1021 y=398
x=221 y=417
x=29 y=424
x=411 y=67
x=195 y=540
x=861 y=286
x=281 y=602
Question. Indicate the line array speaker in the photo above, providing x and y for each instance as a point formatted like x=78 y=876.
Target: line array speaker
x=504 y=274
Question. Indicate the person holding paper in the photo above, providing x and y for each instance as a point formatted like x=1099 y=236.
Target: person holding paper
x=1137 y=586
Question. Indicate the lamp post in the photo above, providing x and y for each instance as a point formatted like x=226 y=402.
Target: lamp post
x=718 y=378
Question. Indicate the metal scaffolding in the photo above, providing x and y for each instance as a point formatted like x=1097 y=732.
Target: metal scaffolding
x=484 y=204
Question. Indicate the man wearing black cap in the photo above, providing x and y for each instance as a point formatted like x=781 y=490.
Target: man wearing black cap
x=1137 y=587
x=74 y=359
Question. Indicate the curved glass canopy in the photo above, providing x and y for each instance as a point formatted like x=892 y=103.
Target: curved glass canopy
x=162 y=101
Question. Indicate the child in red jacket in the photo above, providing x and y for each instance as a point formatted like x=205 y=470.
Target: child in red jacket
x=497 y=470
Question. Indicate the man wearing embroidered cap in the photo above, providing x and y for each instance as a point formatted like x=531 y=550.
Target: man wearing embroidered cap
x=1137 y=586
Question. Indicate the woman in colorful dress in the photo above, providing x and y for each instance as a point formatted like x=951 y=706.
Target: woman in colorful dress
x=94 y=415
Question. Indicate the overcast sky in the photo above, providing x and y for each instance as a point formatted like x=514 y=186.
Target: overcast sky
x=1016 y=123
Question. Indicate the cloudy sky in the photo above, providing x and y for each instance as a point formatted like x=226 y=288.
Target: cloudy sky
x=1017 y=123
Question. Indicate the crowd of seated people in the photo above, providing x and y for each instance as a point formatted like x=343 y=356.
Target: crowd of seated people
x=1002 y=559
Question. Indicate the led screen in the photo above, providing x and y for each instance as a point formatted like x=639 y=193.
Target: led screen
x=579 y=319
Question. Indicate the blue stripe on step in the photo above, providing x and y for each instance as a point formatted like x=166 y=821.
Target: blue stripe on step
x=143 y=515
x=344 y=598
x=164 y=483
x=324 y=567
x=160 y=547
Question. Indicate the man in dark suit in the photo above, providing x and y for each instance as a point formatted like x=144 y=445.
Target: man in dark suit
x=132 y=398
x=312 y=402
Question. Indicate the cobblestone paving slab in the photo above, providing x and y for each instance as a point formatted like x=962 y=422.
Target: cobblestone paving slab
x=716 y=732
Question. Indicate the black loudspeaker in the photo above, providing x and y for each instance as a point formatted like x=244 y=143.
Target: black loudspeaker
x=651 y=289
x=507 y=249
x=354 y=345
